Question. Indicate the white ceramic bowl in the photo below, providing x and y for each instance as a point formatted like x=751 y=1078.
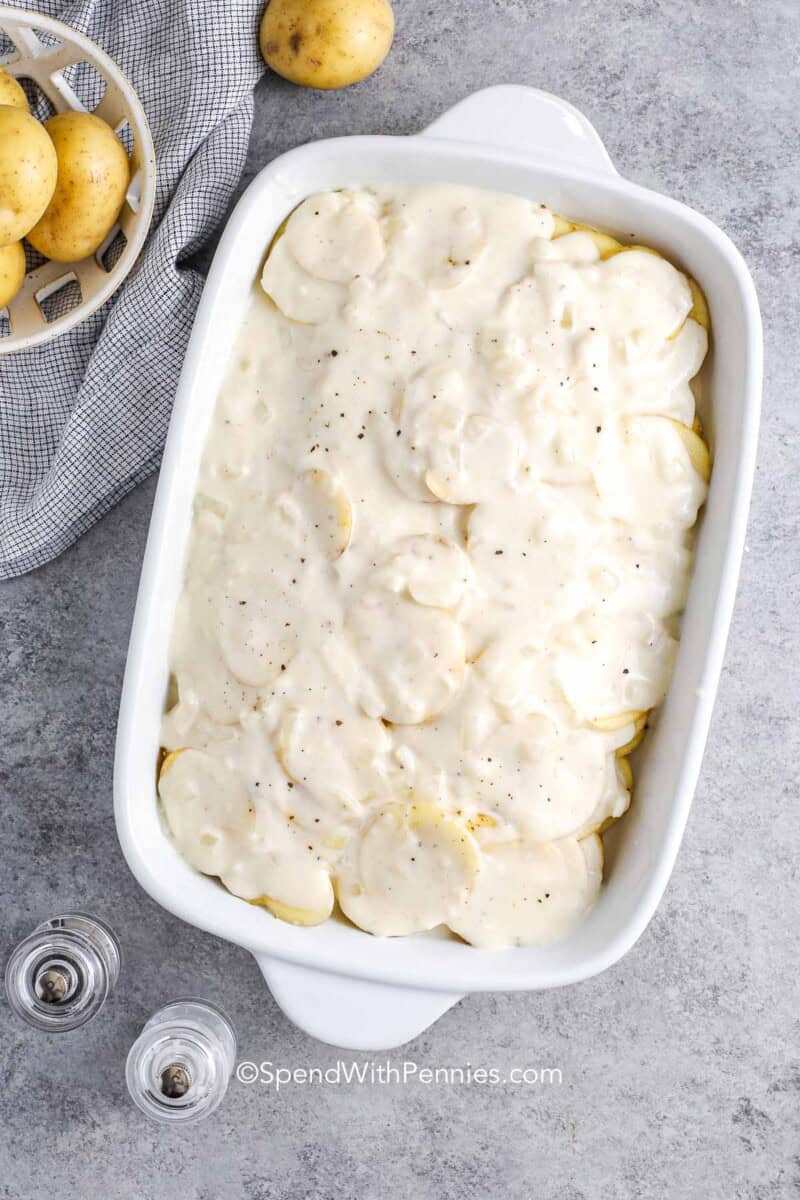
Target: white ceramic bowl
x=57 y=296
x=337 y=983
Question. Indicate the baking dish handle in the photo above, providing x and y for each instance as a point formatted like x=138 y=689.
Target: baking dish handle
x=352 y=1013
x=519 y=118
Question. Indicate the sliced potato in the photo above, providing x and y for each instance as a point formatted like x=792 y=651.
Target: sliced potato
x=335 y=236
x=699 y=310
x=620 y=663
x=615 y=800
x=336 y=757
x=640 y=728
x=431 y=569
x=696 y=448
x=644 y=250
x=561 y=226
x=329 y=510
x=618 y=721
x=600 y=829
x=557 y=773
x=291 y=914
x=607 y=246
x=201 y=671
x=410 y=867
x=299 y=296
x=477 y=465
x=440 y=488
x=653 y=470
x=452 y=445
x=169 y=761
x=255 y=624
x=412 y=658
x=466 y=240
x=531 y=894
x=312 y=517
x=293 y=887
x=207 y=807
x=626 y=771
x=278 y=234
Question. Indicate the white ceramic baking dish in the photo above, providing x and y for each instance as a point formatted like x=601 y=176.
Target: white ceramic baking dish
x=335 y=982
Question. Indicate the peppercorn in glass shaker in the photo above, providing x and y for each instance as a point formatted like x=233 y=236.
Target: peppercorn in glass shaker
x=60 y=976
x=179 y=1067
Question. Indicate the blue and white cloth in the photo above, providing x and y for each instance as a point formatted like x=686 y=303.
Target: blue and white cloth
x=84 y=417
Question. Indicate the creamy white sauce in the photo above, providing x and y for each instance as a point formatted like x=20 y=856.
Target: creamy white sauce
x=442 y=537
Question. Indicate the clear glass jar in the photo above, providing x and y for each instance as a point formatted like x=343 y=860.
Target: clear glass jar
x=179 y=1067
x=60 y=976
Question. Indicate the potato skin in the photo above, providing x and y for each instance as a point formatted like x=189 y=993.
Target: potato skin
x=326 y=43
x=12 y=271
x=11 y=92
x=28 y=167
x=93 y=176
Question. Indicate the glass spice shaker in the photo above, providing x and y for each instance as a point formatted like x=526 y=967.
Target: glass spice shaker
x=179 y=1067
x=60 y=976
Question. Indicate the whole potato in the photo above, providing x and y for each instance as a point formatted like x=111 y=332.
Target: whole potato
x=93 y=176
x=12 y=272
x=326 y=43
x=28 y=167
x=11 y=92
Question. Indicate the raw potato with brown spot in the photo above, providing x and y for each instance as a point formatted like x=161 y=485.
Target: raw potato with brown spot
x=93 y=176
x=28 y=167
x=12 y=272
x=326 y=43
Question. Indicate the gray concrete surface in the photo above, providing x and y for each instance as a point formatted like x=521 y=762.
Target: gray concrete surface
x=680 y=1068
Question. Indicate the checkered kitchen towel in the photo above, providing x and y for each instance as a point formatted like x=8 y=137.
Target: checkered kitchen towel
x=83 y=418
